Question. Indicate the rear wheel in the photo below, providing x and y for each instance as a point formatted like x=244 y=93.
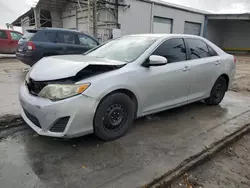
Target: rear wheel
x=218 y=92
x=114 y=116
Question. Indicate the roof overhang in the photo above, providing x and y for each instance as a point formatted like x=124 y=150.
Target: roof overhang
x=245 y=16
x=42 y=4
x=175 y=6
x=51 y=4
x=17 y=22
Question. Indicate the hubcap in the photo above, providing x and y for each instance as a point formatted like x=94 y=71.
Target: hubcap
x=115 y=116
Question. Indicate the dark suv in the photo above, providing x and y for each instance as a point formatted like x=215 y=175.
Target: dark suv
x=36 y=44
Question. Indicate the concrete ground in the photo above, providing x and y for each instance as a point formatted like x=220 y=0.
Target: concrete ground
x=12 y=73
x=229 y=168
x=155 y=145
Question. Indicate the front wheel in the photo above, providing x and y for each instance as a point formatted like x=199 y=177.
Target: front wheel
x=218 y=92
x=114 y=116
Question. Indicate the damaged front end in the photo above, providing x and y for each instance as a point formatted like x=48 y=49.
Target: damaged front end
x=35 y=87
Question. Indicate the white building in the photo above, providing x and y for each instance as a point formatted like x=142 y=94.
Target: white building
x=121 y=17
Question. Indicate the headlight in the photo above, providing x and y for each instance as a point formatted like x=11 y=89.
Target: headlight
x=56 y=92
x=27 y=77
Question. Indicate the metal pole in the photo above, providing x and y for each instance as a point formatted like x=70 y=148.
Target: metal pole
x=88 y=25
x=94 y=18
x=117 y=12
x=35 y=15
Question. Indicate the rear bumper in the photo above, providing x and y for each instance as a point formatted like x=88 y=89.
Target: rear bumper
x=27 y=59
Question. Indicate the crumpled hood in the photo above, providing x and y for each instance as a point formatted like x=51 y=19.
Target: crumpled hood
x=65 y=66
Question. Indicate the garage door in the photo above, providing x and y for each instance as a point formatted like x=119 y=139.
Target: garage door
x=162 y=25
x=192 y=28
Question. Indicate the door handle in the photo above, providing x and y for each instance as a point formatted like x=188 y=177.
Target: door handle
x=217 y=63
x=186 y=68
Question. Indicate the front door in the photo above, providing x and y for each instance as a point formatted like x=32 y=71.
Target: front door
x=203 y=68
x=168 y=85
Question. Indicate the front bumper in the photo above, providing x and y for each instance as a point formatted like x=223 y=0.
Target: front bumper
x=80 y=110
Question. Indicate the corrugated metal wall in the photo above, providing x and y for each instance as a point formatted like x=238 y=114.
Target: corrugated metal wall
x=136 y=19
x=179 y=17
x=139 y=17
x=214 y=32
x=236 y=34
x=229 y=34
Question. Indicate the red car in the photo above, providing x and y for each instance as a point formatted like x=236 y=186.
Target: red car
x=9 y=41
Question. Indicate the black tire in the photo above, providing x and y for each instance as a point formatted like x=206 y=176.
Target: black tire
x=114 y=116
x=218 y=92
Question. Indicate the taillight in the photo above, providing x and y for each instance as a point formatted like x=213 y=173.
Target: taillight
x=235 y=60
x=31 y=46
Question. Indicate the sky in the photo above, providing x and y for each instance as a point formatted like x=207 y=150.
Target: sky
x=12 y=9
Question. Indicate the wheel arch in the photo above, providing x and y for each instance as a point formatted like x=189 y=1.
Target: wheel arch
x=226 y=78
x=127 y=92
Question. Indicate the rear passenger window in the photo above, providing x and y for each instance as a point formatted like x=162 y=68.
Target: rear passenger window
x=66 y=38
x=3 y=35
x=198 y=48
x=212 y=52
x=51 y=36
x=173 y=49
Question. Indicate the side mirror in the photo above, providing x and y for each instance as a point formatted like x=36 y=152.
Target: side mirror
x=156 y=60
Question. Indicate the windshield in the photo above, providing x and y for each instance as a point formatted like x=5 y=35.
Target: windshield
x=126 y=49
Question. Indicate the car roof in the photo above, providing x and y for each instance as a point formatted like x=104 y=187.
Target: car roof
x=54 y=29
x=167 y=35
x=60 y=29
x=10 y=30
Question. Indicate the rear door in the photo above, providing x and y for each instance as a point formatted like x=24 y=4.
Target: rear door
x=5 y=43
x=15 y=37
x=203 y=65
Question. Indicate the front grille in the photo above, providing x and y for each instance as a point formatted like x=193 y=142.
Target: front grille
x=32 y=118
x=60 y=125
x=35 y=87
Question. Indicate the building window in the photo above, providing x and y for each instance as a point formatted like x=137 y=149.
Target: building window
x=162 y=25
x=192 y=28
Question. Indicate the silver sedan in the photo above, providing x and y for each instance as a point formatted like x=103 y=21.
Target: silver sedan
x=104 y=90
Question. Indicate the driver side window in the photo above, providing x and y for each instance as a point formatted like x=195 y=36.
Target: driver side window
x=173 y=49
